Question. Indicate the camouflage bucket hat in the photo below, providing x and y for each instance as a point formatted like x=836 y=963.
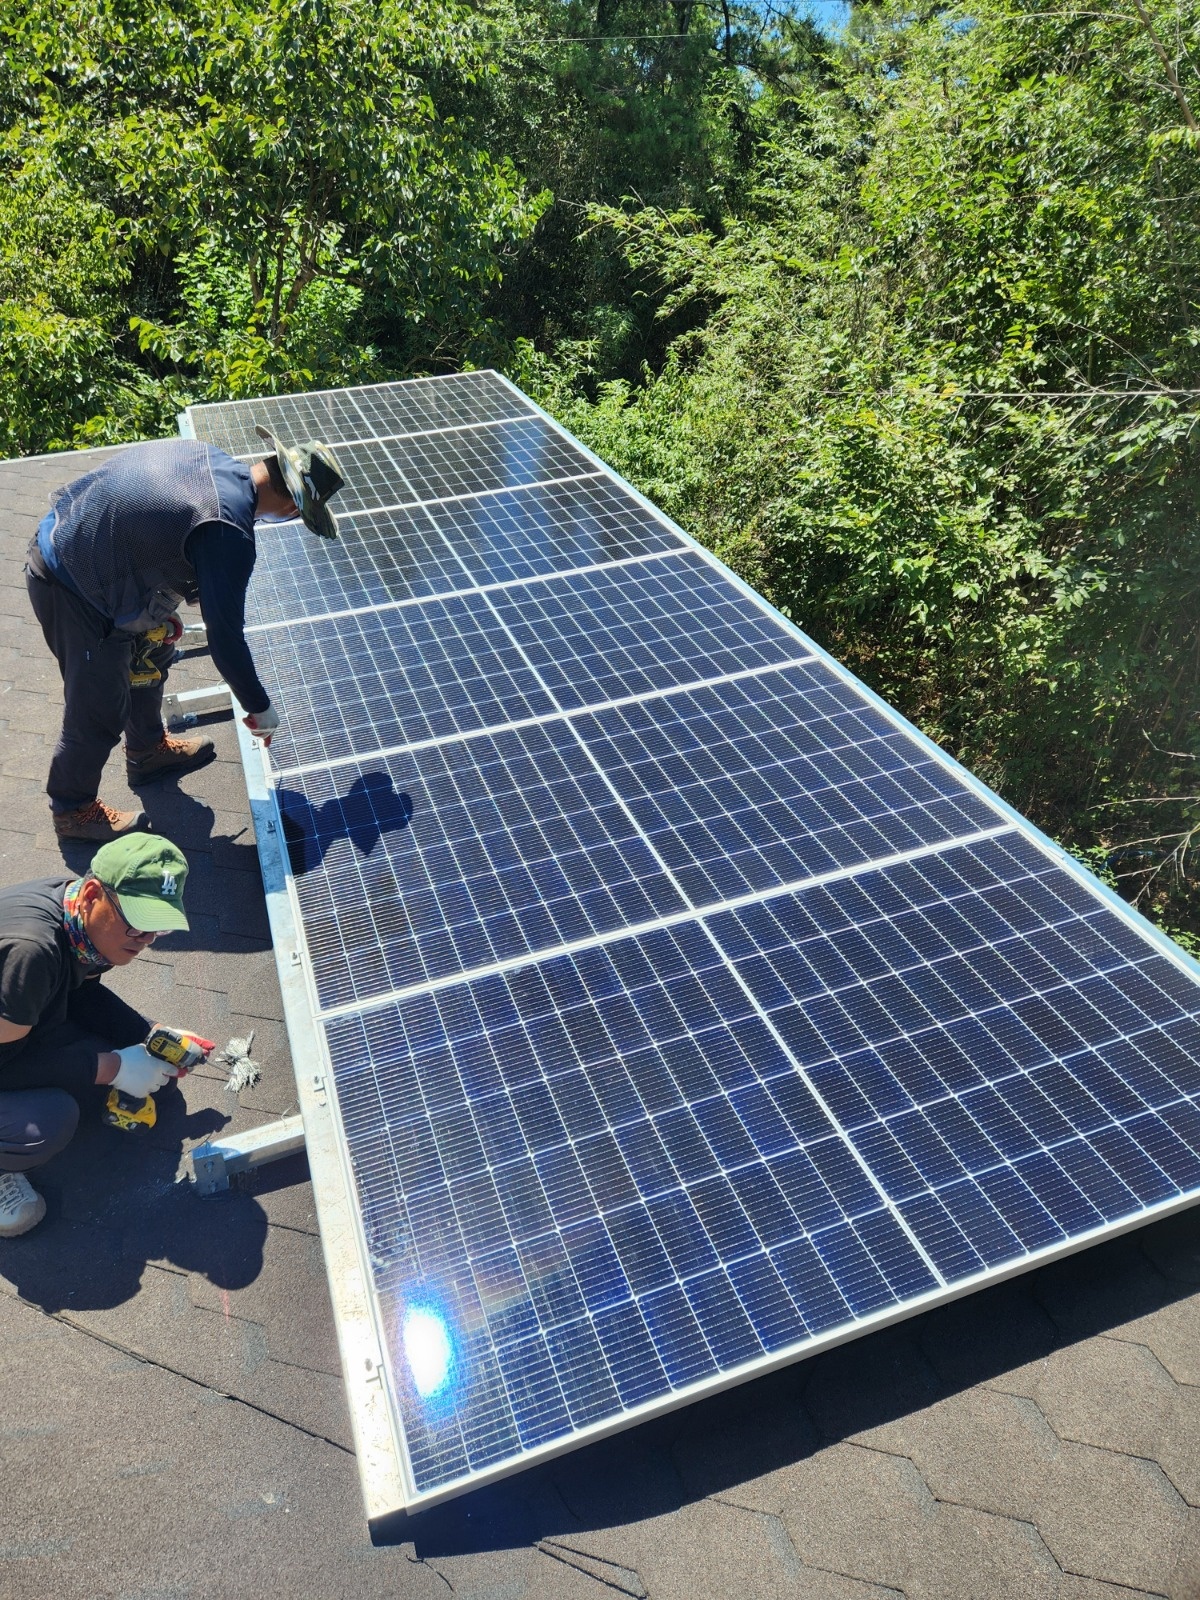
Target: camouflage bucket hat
x=312 y=476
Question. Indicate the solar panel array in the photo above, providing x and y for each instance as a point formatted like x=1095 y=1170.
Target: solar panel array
x=684 y=1006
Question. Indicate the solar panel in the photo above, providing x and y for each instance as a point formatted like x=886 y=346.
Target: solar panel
x=369 y=412
x=679 y=1009
x=386 y=557
x=385 y=678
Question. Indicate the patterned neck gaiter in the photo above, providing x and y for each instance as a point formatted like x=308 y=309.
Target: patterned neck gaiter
x=85 y=951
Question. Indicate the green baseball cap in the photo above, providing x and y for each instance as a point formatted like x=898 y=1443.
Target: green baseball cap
x=147 y=874
x=312 y=476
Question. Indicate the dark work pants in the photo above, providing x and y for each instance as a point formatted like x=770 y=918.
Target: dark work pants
x=47 y=1077
x=99 y=704
x=35 y=1124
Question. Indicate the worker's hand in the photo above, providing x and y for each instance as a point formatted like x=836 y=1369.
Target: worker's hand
x=174 y=627
x=262 y=724
x=140 y=1073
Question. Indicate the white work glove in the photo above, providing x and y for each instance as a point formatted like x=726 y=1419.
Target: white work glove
x=262 y=724
x=140 y=1073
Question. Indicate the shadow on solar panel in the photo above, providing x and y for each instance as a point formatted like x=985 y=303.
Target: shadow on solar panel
x=664 y=1006
x=368 y=810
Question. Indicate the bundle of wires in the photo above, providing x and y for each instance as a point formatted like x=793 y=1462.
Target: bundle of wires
x=244 y=1071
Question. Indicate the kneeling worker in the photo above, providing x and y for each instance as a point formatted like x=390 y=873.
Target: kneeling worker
x=63 y=1035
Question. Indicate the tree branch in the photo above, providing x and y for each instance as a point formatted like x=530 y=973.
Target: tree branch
x=1168 y=66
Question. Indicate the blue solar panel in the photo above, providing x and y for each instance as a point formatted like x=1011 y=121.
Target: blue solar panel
x=770 y=779
x=618 y=631
x=459 y=855
x=557 y=526
x=959 y=1015
x=685 y=1009
x=419 y=467
x=376 y=411
x=606 y=1140
x=379 y=558
x=450 y=465
x=737 y=1165
x=390 y=557
x=385 y=678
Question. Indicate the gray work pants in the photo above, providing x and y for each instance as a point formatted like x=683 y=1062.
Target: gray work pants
x=98 y=703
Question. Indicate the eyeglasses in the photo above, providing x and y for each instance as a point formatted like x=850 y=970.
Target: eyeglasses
x=130 y=933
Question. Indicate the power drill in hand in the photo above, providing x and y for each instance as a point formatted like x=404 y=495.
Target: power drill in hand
x=178 y=1049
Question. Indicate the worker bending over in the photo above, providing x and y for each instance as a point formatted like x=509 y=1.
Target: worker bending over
x=63 y=1034
x=123 y=546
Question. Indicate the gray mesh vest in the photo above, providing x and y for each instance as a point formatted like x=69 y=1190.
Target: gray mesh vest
x=119 y=532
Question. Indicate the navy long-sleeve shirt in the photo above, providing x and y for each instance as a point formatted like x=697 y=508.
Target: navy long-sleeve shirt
x=223 y=559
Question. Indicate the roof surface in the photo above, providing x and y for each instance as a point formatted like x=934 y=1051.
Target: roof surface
x=171 y=1413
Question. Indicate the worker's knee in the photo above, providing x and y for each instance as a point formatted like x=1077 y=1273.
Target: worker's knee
x=35 y=1124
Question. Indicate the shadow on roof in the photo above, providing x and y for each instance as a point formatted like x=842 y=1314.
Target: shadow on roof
x=113 y=1204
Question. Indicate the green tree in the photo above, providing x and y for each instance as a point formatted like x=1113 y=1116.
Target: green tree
x=929 y=386
x=288 y=160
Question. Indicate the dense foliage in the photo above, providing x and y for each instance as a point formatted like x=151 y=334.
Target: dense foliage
x=902 y=323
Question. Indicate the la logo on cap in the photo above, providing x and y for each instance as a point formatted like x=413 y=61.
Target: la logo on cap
x=168 y=889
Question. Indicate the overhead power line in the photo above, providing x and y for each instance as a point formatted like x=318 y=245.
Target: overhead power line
x=1069 y=394
x=606 y=38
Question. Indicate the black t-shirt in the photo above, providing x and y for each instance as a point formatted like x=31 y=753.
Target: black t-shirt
x=38 y=969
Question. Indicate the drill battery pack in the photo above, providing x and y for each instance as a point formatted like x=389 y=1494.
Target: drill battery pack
x=129 y=1114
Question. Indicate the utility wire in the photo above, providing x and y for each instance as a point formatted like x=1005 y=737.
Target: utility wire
x=607 y=38
x=1068 y=394
x=1087 y=395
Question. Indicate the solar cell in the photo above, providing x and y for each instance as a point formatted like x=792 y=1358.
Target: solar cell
x=385 y=473
x=379 y=558
x=587 y=1150
x=957 y=1015
x=446 y=466
x=382 y=558
x=683 y=1008
x=557 y=526
x=746 y=784
x=386 y=557
x=450 y=402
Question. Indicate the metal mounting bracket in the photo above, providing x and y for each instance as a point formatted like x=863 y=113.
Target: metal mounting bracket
x=186 y=698
x=214 y=1162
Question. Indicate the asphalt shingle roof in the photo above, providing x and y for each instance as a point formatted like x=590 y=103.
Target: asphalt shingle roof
x=172 y=1420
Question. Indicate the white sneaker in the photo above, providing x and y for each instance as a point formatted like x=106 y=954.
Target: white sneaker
x=21 y=1206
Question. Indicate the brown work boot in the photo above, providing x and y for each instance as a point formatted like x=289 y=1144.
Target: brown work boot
x=169 y=756
x=98 y=823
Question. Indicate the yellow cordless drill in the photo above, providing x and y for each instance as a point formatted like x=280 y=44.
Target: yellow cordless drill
x=178 y=1049
x=142 y=670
